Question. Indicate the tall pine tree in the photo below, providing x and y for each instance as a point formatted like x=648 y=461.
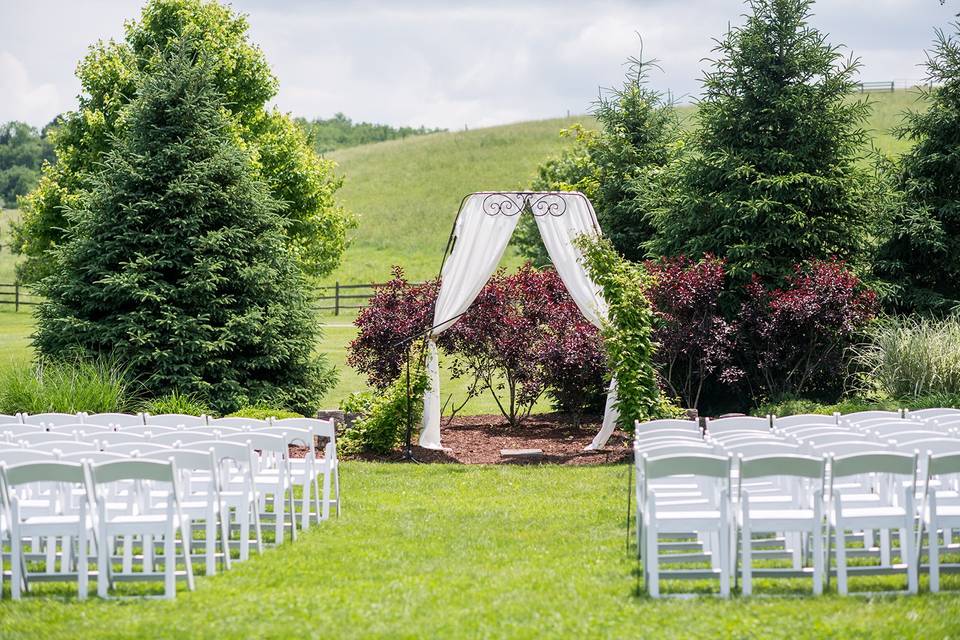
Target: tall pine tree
x=921 y=256
x=178 y=265
x=769 y=178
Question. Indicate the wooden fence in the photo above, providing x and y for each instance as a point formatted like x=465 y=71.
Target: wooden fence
x=334 y=298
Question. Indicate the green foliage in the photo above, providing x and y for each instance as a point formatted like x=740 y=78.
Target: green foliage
x=637 y=127
x=627 y=332
x=260 y=412
x=921 y=256
x=301 y=183
x=382 y=425
x=177 y=261
x=23 y=150
x=910 y=357
x=176 y=402
x=68 y=386
x=769 y=177
x=340 y=132
x=789 y=405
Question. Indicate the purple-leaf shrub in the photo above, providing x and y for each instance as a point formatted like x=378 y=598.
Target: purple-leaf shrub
x=793 y=338
x=695 y=343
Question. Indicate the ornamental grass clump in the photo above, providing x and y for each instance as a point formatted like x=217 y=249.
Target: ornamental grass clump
x=910 y=357
x=66 y=386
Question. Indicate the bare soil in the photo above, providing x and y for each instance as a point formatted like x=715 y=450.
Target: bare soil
x=479 y=439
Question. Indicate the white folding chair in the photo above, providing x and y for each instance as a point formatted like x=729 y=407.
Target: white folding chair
x=926 y=414
x=665 y=423
x=182 y=438
x=58 y=522
x=175 y=420
x=148 y=429
x=13 y=429
x=6 y=418
x=888 y=512
x=129 y=449
x=238 y=423
x=148 y=525
x=712 y=520
x=200 y=484
x=237 y=490
x=107 y=438
x=115 y=419
x=41 y=437
x=862 y=416
x=272 y=477
x=940 y=512
x=802 y=477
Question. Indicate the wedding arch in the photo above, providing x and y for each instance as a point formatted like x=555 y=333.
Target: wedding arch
x=483 y=227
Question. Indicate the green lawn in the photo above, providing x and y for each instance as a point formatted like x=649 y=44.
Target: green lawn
x=482 y=551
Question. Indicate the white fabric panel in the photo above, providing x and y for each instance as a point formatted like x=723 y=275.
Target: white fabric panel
x=479 y=241
x=558 y=233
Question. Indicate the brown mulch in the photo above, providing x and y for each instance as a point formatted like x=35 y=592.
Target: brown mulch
x=479 y=439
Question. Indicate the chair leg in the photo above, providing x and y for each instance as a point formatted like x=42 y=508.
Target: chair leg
x=909 y=555
x=147 y=553
x=724 y=544
x=103 y=555
x=16 y=561
x=224 y=515
x=82 y=577
x=885 y=548
x=934 y=553
x=51 y=563
x=746 y=559
x=170 y=562
x=305 y=501
x=817 y=538
x=841 y=560
x=279 y=498
x=651 y=563
x=258 y=530
x=336 y=488
x=210 y=544
x=244 y=516
x=127 y=565
x=325 y=512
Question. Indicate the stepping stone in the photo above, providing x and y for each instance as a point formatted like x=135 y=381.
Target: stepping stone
x=521 y=454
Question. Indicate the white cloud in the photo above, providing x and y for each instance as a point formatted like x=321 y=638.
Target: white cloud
x=471 y=62
x=20 y=98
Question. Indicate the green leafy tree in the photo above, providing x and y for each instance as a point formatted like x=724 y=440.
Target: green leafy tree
x=921 y=255
x=769 y=177
x=302 y=183
x=340 y=132
x=177 y=265
x=637 y=127
x=23 y=150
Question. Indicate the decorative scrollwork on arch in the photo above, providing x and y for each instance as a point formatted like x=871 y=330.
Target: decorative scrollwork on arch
x=515 y=203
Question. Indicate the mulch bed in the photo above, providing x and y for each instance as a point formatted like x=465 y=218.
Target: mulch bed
x=479 y=439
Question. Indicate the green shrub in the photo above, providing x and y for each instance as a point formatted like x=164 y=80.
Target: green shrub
x=792 y=406
x=176 y=402
x=66 y=386
x=383 y=426
x=262 y=413
x=357 y=402
x=910 y=357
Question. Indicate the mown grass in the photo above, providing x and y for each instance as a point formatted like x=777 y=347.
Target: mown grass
x=472 y=551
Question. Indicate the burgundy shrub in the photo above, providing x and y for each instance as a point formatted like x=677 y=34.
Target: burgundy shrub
x=794 y=338
x=695 y=343
x=396 y=310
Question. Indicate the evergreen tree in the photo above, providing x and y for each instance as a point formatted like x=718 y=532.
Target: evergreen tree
x=636 y=128
x=303 y=183
x=177 y=265
x=921 y=255
x=769 y=178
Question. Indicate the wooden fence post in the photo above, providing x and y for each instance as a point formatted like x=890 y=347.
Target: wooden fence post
x=336 y=299
x=16 y=297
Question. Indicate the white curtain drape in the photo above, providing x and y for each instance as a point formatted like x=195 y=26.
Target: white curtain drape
x=480 y=237
x=558 y=233
x=482 y=232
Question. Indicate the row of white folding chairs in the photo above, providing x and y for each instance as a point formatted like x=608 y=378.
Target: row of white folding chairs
x=729 y=513
x=317 y=476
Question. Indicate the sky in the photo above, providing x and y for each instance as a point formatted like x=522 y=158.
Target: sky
x=454 y=64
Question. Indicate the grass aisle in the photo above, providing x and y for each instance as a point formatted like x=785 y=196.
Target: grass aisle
x=454 y=551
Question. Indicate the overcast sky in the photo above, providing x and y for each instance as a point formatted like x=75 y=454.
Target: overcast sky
x=451 y=64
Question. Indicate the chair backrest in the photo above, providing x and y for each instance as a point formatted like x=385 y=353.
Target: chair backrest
x=115 y=419
x=149 y=429
x=133 y=469
x=175 y=420
x=82 y=431
x=43 y=471
x=68 y=427
x=18 y=428
x=9 y=419
x=742 y=434
x=113 y=437
x=266 y=442
x=892 y=462
x=51 y=419
x=11 y=457
x=184 y=437
x=753 y=449
x=40 y=437
x=328 y=429
x=909 y=434
x=243 y=423
x=186 y=459
x=129 y=448
x=831 y=436
x=665 y=423
x=65 y=446
x=659 y=434
x=860 y=416
x=94 y=456
x=794 y=465
x=850 y=447
x=926 y=414
x=675 y=449
x=738 y=423
x=943 y=464
x=803 y=419
x=936 y=444
x=698 y=464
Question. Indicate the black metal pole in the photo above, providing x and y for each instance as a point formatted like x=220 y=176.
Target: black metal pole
x=408 y=449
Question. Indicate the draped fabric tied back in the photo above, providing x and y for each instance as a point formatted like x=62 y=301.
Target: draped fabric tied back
x=482 y=231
